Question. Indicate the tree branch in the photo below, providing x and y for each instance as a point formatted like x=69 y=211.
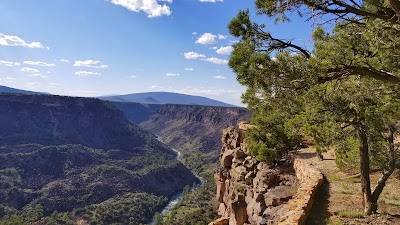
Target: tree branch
x=346 y=71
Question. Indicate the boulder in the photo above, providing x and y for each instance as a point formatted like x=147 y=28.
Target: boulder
x=226 y=158
x=238 y=173
x=239 y=212
x=220 y=221
x=239 y=154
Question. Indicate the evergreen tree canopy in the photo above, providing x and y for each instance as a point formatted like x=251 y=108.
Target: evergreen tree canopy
x=345 y=93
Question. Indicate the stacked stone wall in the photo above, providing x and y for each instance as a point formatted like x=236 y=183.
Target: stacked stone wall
x=253 y=192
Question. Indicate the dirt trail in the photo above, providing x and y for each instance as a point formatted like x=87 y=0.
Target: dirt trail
x=339 y=200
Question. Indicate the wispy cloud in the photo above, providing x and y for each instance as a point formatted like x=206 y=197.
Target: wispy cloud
x=38 y=75
x=32 y=84
x=8 y=63
x=172 y=74
x=64 y=60
x=30 y=70
x=189 y=69
x=212 y=1
x=220 y=36
x=207 y=91
x=220 y=77
x=155 y=87
x=87 y=74
x=216 y=61
x=207 y=39
x=225 y=50
x=193 y=55
x=10 y=40
x=150 y=7
x=7 y=80
x=38 y=63
x=90 y=63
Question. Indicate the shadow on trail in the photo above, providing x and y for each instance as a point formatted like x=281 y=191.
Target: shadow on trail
x=319 y=213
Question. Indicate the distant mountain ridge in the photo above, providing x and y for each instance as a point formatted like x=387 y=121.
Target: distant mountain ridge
x=4 y=89
x=165 y=98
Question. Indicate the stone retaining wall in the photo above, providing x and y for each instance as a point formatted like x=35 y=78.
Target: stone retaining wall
x=310 y=179
x=252 y=192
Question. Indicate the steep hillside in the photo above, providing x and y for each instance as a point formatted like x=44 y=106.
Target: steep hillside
x=165 y=98
x=193 y=127
x=79 y=156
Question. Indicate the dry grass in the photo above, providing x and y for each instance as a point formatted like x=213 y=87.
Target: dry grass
x=340 y=200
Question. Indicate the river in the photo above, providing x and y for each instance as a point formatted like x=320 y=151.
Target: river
x=178 y=196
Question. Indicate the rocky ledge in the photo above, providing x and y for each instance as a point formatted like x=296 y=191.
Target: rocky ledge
x=253 y=192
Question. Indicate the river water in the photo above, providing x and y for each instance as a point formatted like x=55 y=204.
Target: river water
x=174 y=200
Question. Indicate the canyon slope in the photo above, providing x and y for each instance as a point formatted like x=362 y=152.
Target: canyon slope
x=81 y=159
x=194 y=130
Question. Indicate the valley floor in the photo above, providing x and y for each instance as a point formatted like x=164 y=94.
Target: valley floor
x=339 y=200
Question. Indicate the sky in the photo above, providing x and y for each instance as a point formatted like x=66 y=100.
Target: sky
x=102 y=47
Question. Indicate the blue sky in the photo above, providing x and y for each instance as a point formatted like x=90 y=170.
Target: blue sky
x=103 y=47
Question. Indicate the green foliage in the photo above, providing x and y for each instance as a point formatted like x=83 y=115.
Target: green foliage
x=197 y=207
x=126 y=209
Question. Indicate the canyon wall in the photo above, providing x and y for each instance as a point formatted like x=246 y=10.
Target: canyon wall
x=254 y=192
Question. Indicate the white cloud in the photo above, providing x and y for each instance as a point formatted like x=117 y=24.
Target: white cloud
x=193 y=55
x=220 y=36
x=87 y=74
x=169 y=1
x=214 y=48
x=225 y=50
x=54 y=84
x=189 y=69
x=207 y=39
x=155 y=87
x=213 y=1
x=9 y=40
x=172 y=74
x=133 y=76
x=38 y=75
x=150 y=7
x=29 y=70
x=194 y=33
x=8 y=63
x=216 y=60
x=38 y=63
x=64 y=60
x=220 y=77
x=91 y=63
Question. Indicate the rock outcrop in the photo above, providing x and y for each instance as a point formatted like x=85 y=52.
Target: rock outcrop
x=253 y=192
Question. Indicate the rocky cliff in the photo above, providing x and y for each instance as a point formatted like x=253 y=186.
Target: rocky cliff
x=253 y=192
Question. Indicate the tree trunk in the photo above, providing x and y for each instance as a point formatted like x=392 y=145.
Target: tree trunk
x=386 y=174
x=370 y=200
x=369 y=205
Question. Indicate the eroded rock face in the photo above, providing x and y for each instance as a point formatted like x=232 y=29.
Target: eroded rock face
x=250 y=191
